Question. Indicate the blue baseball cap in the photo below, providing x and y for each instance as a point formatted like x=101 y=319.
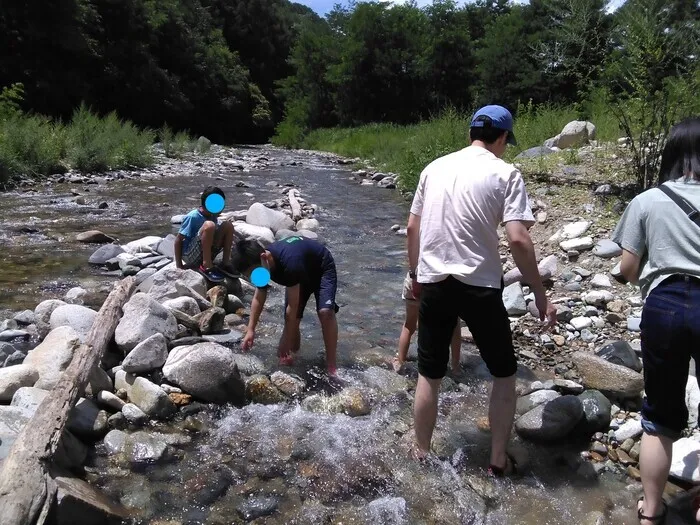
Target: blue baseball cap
x=496 y=117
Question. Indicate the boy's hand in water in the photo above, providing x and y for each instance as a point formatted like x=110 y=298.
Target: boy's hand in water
x=248 y=340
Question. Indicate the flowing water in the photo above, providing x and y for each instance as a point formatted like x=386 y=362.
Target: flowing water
x=281 y=463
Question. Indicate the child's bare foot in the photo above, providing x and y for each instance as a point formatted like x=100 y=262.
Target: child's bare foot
x=286 y=360
x=397 y=364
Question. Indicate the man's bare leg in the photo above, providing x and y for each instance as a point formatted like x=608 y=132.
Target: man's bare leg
x=425 y=410
x=329 y=327
x=501 y=415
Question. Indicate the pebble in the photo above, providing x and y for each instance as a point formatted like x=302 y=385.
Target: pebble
x=632 y=324
x=633 y=472
x=599 y=448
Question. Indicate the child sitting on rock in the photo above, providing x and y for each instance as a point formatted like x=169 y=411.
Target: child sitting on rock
x=409 y=327
x=305 y=267
x=201 y=237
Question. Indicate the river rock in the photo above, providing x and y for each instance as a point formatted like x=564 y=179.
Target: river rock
x=634 y=324
x=207 y=371
x=630 y=429
x=607 y=249
x=212 y=320
x=384 y=381
x=79 y=502
x=144 y=245
x=579 y=323
x=166 y=247
x=257 y=507
x=260 y=215
x=186 y=305
x=76 y=295
x=596 y=413
x=105 y=253
x=692 y=401
x=550 y=421
x=147 y=355
x=575 y=229
x=578 y=244
x=566 y=386
x=308 y=224
x=259 y=389
x=597 y=297
x=353 y=402
x=53 y=355
x=139 y=447
x=42 y=315
x=143 y=317
x=227 y=338
x=308 y=234
x=134 y=415
x=147 y=396
x=79 y=318
x=537 y=151
x=259 y=233
x=12 y=420
x=601 y=281
x=283 y=234
x=24 y=318
x=686 y=458
x=86 y=420
x=177 y=219
x=8 y=324
x=6 y=349
x=12 y=378
x=620 y=353
x=16 y=358
x=291 y=385
x=534 y=399
x=10 y=335
x=514 y=300
x=609 y=378
x=110 y=400
x=164 y=283
x=29 y=397
x=93 y=236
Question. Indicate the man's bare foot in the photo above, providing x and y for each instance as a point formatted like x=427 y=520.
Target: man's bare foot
x=397 y=365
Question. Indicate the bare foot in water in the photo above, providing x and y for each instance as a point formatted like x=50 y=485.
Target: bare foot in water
x=397 y=365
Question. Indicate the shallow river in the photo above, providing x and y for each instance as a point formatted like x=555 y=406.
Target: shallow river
x=282 y=464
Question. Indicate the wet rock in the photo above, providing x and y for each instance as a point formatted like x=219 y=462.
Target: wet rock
x=212 y=320
x=596 y=413
x=79 y=318
x=110 y=400
x=597 y=297
x=630 y=429
x=12 y=420
x=87 y=420
x=24 y=318
x=105 y=253
x=53 y=355
x=180 y=399
x=621 y=353
x=79 y=502
x=383 y=380
x=94 y=236
x=686 y=458
x=353 y=402
x=208 y=371
x=143 y=317
x=29 y=398
x=607 y=249
x=257 y=507
x=134 y=414
x=534 y=399
x=147 y=396
x=13 y=378
x=288 y=384
x=579 y=244
x=514 y=300
x=147 y=355
x=609 y=378
x=564 y=313
x=259 y=389
x=258 y=233
x=186 y=305
x=388 y=511
x=42 y=315
x=139 y=447
x=551 y=421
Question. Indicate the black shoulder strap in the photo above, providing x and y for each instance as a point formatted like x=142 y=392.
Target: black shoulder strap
x=692 y=213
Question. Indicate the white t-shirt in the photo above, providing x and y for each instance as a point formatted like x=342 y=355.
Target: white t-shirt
x=461 y=199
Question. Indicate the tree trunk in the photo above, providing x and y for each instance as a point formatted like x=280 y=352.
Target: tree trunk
x=26 y=488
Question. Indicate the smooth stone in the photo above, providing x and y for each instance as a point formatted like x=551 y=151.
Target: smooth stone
x=53 y=355
x=134 y=414
x=143 y=317
x=633 y=324
x=685 y=463
x=579 y=244
x=29 y=398
x=596 y=413
x=550 y=421
x=110 y=400
x=79 y=318
x=514 y=300
x=601 y=281
x=621 y=353
x=599 y=374
x=148 y=355
x=534 y=399
x=630 y=429
x=24 y=318
x=607 y=249
x=597 y=297
x=15 y=377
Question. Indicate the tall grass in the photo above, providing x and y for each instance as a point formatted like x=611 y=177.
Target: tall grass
x=178 y=144
x=406 y=150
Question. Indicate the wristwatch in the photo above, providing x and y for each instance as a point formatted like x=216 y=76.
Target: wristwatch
x=412 y=274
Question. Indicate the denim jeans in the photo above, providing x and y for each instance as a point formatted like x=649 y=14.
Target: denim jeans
x=670 y=337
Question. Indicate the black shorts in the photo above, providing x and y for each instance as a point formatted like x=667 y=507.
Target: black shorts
x=481 y=309
x=323 y=288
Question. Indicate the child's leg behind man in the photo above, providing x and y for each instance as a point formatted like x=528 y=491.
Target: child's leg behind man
x=407 y=330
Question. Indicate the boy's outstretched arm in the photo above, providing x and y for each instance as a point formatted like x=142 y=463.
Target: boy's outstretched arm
x=256 y=308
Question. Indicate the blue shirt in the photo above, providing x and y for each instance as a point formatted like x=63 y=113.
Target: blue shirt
x=191 y=225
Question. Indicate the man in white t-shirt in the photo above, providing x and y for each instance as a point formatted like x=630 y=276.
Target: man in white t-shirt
x=460 y=201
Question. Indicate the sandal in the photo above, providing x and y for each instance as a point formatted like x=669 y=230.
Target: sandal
x=509 y=469
x=658 y=519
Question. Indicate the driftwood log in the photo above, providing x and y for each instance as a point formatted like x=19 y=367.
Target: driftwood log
x=27 y=490
x=294 y=204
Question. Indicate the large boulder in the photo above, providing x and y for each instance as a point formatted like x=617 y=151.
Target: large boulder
x=596 y=413
x=186 y=305
x=12 y=420
x=163 y=285
x=620 y=353
x=105 y=253
x=143 y=317
x=550 y=421
x=147 y=355
x=53 y=355
x=685 y=462
x=609 y=378
x=78 y=317
x=42 y=315
x=574 y=135
x=15 y=377
x=534 y=399
x=208 y=371
x=261 y=215
x=259 y=233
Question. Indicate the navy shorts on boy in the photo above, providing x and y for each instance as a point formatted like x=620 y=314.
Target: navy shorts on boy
x=305 y=262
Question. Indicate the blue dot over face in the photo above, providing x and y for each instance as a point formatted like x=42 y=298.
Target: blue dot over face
x=214 y=203
x=260 y=277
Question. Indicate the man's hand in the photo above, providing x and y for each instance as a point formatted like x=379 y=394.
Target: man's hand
x=416 y=288
x=248 y=340
x=548 y=312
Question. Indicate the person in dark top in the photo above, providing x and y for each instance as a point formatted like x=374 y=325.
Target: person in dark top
x=305 y=267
